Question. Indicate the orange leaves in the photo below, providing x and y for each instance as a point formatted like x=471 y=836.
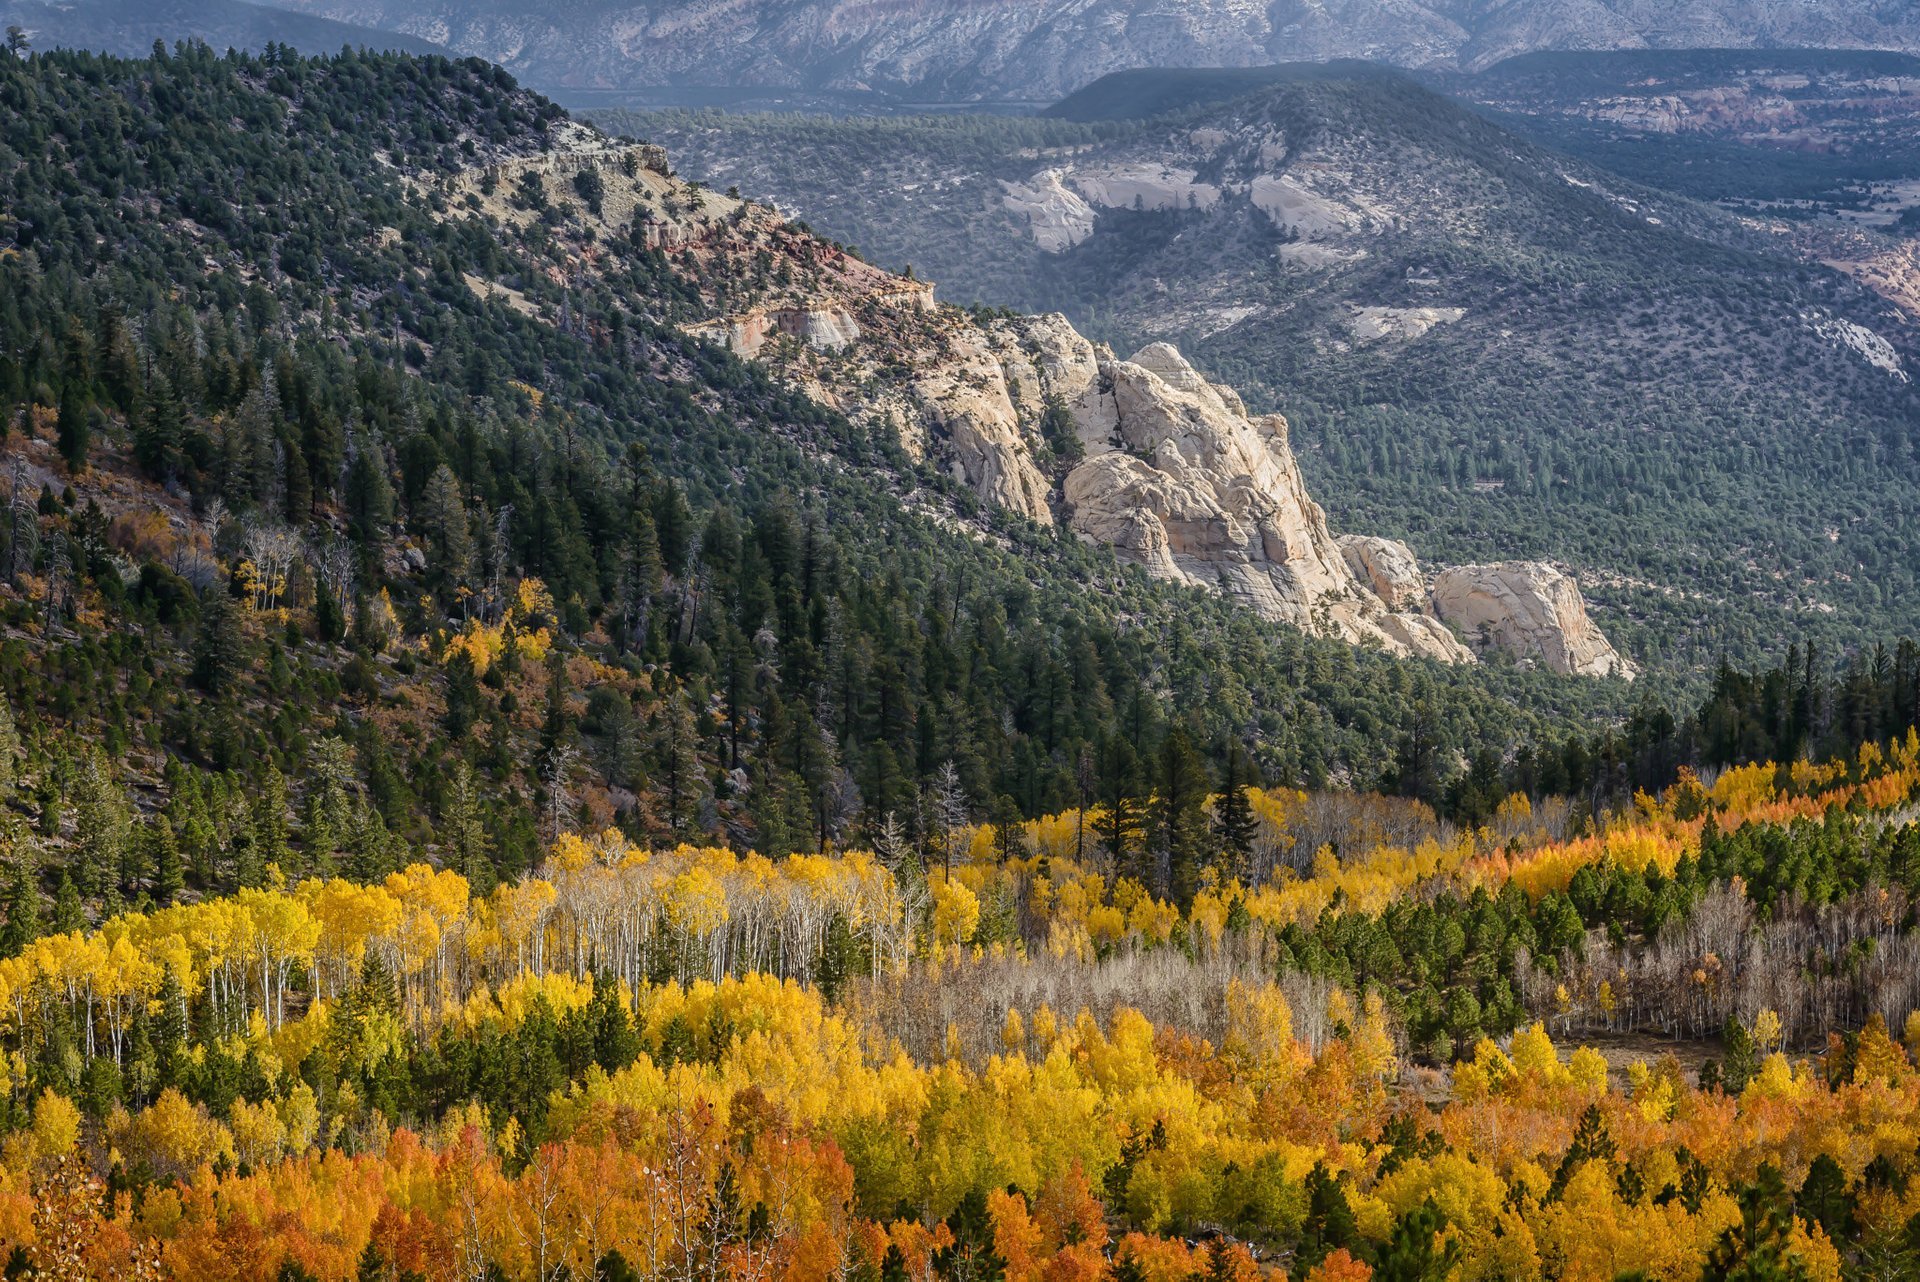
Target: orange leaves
x=1340 y=1266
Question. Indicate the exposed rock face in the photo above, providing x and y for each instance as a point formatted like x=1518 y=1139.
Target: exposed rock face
x=828 y=328
x=1176 y=475
x=987 y=390
x=1528 y=609
x=1389 y=568
x=1180 y=479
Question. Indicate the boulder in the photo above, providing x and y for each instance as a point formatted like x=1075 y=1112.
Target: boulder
x=1388 y=567
x=1530 y=610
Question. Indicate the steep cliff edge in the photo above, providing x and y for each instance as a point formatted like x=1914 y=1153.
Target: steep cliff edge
x=1180 y=479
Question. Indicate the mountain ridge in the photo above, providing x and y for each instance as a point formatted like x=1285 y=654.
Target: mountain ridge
x=130 y=28
x=957 y=51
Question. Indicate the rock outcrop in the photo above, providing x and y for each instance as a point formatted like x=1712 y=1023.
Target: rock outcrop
x=827 y=328
x=1179 y=478
x=1530 y=610
x=1389 y=568
x=1174 y=473
x=985 y=393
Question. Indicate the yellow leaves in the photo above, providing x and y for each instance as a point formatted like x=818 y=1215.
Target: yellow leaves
x=1814 y=1251
x=956 y=912
x=1534 y=1056
x=1766 y=1029
x=259 y=1136
x=56 y=1125
x=1487 y=1073
x=1588 y=1069
x=697 y=902
x=1013 y=1032
x=509 y=1005
x=1654 y=1094
x=176 y=1136
x=1878 y=1057
x=1744 y=787
x=1259 y=1042
x=1775 y=1080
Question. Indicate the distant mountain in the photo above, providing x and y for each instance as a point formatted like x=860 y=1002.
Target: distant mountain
x=1758 y=126
x=1484 y=346
x=1041 y=49
x=128 y=28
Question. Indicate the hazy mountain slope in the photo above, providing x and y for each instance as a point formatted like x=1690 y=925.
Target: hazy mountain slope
x=1481 y=344
x=129 y=27
x=1803 y=130
x=1040 y=49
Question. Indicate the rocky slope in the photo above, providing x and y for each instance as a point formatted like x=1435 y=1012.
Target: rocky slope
x=1040 y=49
x=1144 y=455
x=1485 y=348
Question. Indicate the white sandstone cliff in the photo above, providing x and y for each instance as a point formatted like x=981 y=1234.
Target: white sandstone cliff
x=1530 y=610
x=1180 y=479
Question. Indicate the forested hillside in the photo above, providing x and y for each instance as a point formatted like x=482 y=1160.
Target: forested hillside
x=1481 y=345
x=493 y=786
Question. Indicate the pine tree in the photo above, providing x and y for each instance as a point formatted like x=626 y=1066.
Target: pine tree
x=1118 y=823
x=220 y=651
x=68 y=915
x=23 y=904
x=1234 y=815
x=1739 y=1064
x=464 y=831
x=271 y=843
x=169 y=870
x=100 y=828
x=75 y=432
x=1179 y=817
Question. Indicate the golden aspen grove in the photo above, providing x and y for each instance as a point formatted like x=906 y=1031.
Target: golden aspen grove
x=1007 y=1109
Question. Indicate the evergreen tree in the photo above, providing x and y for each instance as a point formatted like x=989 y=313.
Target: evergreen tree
x=74 y=431
x=22 y=903
x=169 y=870
x=1233 y=813
x=1179 y=817
x=68 y=915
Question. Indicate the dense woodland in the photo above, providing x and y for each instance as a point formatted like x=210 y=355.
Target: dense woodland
x=399 y=683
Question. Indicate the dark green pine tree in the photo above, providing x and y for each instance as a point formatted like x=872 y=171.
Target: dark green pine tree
x=23 y=907
x=75 y=432
x=1233 y=813
x=1740 y=1063
x=971 y=1257
x=68 y=915
x=1757 y=1249
x=1330 y=1223
x=1823 y=1199
x=1117 y=823
x=160 y=430
x=1179 y=820
x=1415 y=1252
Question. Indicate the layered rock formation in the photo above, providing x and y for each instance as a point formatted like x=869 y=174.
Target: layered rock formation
x=1530 y=610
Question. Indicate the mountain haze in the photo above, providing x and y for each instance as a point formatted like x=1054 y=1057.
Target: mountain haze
x=129 y=28
x=1041 y=49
